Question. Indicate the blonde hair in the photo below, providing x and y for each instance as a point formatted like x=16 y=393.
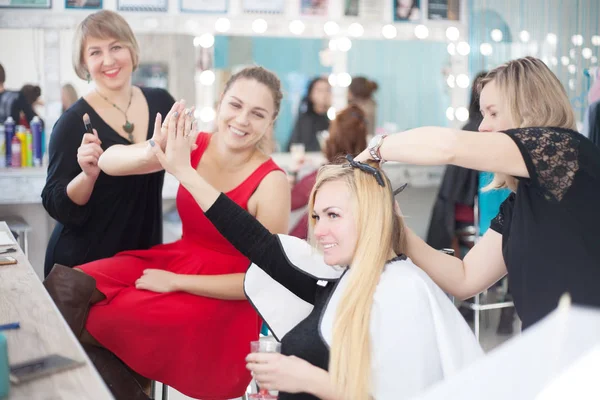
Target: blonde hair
x=103 y=24
x=350 y=358
x=535 y=98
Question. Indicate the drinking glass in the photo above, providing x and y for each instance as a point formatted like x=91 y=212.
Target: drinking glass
x=264 y=346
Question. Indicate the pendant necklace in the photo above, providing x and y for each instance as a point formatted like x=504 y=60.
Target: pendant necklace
x=129 y=126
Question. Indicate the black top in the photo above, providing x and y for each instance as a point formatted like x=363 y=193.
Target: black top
x=263 y=248
x=308 y=124
x=551 y=226
x=123 y=213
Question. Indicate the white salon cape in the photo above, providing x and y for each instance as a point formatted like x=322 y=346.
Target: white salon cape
x=418 y=337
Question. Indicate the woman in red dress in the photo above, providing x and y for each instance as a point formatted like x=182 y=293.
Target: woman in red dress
x=177 y=313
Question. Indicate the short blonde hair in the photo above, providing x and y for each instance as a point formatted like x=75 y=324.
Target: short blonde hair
x=103 y=24
x=535 y=98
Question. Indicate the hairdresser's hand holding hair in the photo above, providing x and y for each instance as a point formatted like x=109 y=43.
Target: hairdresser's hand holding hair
x=528 y=138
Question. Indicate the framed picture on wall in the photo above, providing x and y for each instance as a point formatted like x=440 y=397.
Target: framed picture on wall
x=406 y=10
x=351 y=8
x=264 y=6
x=25 y=3
x=203 y=6
x=142 y=5
x=444 y=10
x=314 y=7
x=87 y=4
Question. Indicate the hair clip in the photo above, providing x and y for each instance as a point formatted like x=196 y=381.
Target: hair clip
x=366 y=168
x=400 y=189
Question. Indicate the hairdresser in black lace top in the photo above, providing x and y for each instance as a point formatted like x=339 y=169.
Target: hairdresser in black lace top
x=547 y=233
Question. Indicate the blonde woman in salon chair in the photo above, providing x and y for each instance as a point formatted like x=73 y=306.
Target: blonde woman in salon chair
x=356 y=318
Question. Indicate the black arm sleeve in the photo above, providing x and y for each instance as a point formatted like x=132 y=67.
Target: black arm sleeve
x=263 y=248
x=62 y=169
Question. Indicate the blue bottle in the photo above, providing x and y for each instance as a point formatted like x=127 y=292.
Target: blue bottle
x=36 y=133
x=4 y=377
x=9 y=131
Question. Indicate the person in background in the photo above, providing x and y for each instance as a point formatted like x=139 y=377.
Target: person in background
x=100 y=215
x=177 y=313
x=32 y=94
x=347 y=135
x=13 y=103
x=546 y=235
x=312 y=117
x=68 y=96
x=360 y=92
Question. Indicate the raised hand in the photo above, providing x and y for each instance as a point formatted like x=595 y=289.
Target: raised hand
x=88 y=154
x=160 y=129
x=180 y=141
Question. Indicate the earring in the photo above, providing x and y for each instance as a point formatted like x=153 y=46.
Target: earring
x=88 y=77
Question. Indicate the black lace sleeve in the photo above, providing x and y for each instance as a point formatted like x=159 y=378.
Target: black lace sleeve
x=504 y=214
x=551 y=156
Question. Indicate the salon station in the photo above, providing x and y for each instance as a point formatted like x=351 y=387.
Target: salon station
x=371 y=69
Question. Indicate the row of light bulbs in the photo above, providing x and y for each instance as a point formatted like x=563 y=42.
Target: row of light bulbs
x=331 y=28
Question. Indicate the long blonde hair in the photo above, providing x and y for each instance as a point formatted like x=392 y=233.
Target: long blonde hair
x=380 y=233
x=535 y=98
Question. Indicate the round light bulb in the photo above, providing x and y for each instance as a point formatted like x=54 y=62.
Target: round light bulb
x=344 y=79
x=450 y=113
x=207 y=77
x=344 y=44
x=572 y=53
x=421 y=31
x=356 y=30
x=452 y=33
x=462 y=114
x=551 y=38
x=222 y=25
x=586 y=53
x=462 y=81
x=572 y=84
x=333 y=45
x=524 y=36
x=486 y=49
x=594 y=60
x=206 y=41
x=572 y=69
x=331 y=113
x=451 y=81
x=259 y=25
x=389 y=31
x=331 y=28
x=451 y=49
x=496 y=35
x=297 y=27
x=207 y=114
x=332 y=79
x=565 y=60
x=463 y=48
x=554 y=61
x=577 y=40
x=596 y=40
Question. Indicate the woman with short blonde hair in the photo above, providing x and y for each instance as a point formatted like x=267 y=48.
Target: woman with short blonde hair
x=547 y=232
x=99 y=215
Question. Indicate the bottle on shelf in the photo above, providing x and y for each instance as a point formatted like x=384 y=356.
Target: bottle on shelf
x=9 y=132
x=15 y=147
x=36 y=135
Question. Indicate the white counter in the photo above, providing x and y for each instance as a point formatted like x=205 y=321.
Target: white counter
x=24 y=185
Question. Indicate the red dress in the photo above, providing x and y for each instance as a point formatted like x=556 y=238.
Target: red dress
x=193 y=343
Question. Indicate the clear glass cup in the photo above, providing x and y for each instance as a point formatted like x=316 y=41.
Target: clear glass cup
x=264 y=346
